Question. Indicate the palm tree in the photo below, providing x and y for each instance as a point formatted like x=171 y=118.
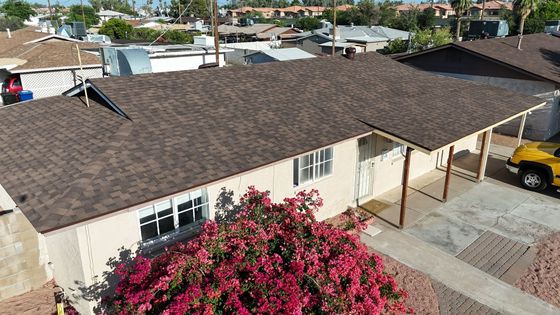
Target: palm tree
x=523 y=8
x=459 y=6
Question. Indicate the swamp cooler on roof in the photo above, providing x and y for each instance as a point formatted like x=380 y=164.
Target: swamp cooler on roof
x=125 y=61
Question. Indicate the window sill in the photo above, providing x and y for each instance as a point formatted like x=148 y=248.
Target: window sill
x=310 y=183
x=157 y=245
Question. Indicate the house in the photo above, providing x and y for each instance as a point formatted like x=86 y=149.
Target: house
x=441 y=10
x=292 y=12
x=491 y=8
x=46 y=64
x=531 y=70
x=233 y=33
x=363 y=38
x=240 y=50
x=106 y=15
x=155 y=155
x=279 y=54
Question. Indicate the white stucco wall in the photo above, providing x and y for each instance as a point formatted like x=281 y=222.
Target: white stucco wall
x=542 y=123
x=186 y=62
x=81 y=253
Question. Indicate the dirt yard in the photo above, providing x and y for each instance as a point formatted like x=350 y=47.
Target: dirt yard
x=422 y=297
x=542 y=279
x=40 y=301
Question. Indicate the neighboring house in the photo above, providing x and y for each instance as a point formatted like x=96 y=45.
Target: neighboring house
x=240 y=50
x=491 y=8
x=279 y=54
x=441 y=10
x=278 y=33
x=310 y=42
x=363 y=38
x=155 y=155
x=293 y=12
x=531 y=70
x=46 y=64
x=233 y=33
x=106 y=15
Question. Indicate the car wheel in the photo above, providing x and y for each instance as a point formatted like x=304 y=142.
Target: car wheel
x=533 y=180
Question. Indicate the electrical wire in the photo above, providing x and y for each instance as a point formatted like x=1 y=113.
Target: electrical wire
x=174 y=22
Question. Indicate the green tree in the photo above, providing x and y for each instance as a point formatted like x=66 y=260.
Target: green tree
x=426 y=19
x=396 y=46
x=425 y=39
x=11 y=22
x=308 y=23
x=91 y=17
x=197 y=8
x=547 y=10
x=18 y=8
x=295 y=2
x=365 y=13
x=387 y=13
x=459 y=6
x=406 y=21
x=523 y=8
x=117 y=5
x=116 y=29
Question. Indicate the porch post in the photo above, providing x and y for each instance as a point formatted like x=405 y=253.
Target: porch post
x=448 y=173
x=483 y=159
x=521 y=128
x=406 y=171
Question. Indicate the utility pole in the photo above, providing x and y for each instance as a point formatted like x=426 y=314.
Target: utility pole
x=216 y=34
x=334 y=29
x=50 y=10
x=83 y=14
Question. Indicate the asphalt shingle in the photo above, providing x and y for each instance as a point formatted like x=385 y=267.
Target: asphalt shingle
x=64 y=163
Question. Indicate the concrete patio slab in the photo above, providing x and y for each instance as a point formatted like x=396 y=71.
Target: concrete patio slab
x=392 y=214
x=456 y=274
x=520 y=229
x=541 y=211
x=446 y=233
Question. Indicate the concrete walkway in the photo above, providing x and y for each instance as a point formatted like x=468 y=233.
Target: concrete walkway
x=456 y=274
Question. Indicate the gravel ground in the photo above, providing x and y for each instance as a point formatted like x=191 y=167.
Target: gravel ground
x=422 y=297
x=542 y=279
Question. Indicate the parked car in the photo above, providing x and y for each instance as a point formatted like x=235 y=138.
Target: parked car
x=12 y=85
x=537 y=164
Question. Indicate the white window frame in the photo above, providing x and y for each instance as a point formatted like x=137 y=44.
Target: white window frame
x=204 y=206
x=315 y=164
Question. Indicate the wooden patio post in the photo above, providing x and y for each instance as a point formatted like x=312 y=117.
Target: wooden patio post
x=406 y=172
x=521 y=128
x=483 y=158
x=448 y=173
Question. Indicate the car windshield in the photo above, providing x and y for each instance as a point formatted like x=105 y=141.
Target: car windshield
x=557 y=152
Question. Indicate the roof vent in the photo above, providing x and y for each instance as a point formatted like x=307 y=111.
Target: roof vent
x=350 y=53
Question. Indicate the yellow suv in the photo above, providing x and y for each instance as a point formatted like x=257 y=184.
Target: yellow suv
x=537 y=164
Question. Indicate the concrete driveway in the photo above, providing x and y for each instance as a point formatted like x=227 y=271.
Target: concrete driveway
x=498 y=204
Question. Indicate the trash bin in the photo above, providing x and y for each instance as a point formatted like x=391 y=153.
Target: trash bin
x=25 y=95
x=9 y=98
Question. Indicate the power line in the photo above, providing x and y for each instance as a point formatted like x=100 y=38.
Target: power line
x=174 y=22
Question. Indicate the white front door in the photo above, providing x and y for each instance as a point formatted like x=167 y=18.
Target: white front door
x=364 y=178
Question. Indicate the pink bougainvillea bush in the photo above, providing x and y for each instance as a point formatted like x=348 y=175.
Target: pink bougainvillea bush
x=272 y=259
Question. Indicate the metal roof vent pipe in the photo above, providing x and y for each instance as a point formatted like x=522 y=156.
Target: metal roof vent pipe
x=350 y=53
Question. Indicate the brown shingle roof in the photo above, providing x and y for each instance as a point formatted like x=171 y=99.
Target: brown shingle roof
x=50 y=53
x=64 y=163
x=539 y=54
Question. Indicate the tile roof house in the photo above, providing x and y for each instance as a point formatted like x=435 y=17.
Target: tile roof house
x=148 y=160
x=46 y=64
x=531 y=70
